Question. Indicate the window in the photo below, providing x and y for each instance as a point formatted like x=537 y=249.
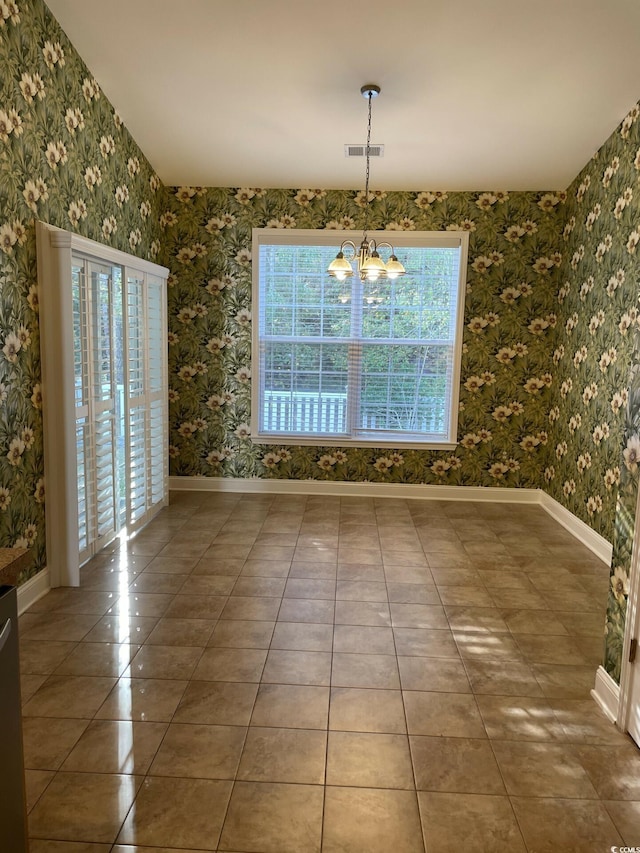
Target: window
x=356 y=362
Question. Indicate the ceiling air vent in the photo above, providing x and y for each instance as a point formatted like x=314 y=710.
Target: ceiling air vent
x=361 y=150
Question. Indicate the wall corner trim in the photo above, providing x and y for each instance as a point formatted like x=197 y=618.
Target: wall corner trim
x=32 y=590
x=606 y=694
x=600 y=546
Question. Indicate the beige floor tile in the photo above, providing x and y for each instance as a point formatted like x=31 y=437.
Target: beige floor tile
x=486 y=824
x=271 y=552
x=588 y=624
x=195 y=607
x=35 y=783
x=442 y=675
x=542 y=769
x=274 y=818
x=266 y=568
x=220 y=664
x=178 y=812
x=223 y=703
x=251 y=607
x=313 y=571
x=533 y=622
x=367 y=760
x=294 y=667
x=316 y=554
x=47 y=741
x=29 y=684
x=583 y=722
x=366 y=710
x=260 y=587
x=487 y=646
x=109 y=746
x=375 y=613
x=242 y=634
x=177 y=662
x=165 y=565
x=413 y=593
x=283 y=755
x=519 y=718
x=59 y=627
x=291 y=706
x=570 y=825
x=365 y=670
x=300 y=636
x=399 y=573
x=564 y=682
x=83 y=807
x=613 y=770
x=357 y=639
x=425 y=642
x=348 y=590
x=626 y=817
x=208 y=585
x=357 y=554
x=360 y=572
x=372 y=820
x=199 y=751
x=455 y=764
x=306 y=610
x=502 y=678
x=549 y=649
x=310 y=588
x=142 y=699
x=42 y=657
x=157 y=582
x=218 y=566
x=477 y=620
x=69 y=696
x=465 y=596
x=443 y=714
x=117 y=628
x=181 y=632
x=109 y=659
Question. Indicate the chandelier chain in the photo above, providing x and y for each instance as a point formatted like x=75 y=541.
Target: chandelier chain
x=366 y=183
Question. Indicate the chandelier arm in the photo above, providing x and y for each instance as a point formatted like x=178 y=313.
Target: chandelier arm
x=349 y=244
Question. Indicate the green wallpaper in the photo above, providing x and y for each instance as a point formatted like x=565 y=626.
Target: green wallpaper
x=66 y=159
x=596 y=410
x=511 y=307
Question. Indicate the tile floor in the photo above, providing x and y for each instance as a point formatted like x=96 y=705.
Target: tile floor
x=346 y=675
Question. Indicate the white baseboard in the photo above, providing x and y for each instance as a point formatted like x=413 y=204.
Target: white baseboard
x=256 y=485
x=606 y=693
x=33 y=589
x=600 y=546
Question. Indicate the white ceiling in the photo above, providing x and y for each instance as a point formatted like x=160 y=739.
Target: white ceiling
x=476 y=94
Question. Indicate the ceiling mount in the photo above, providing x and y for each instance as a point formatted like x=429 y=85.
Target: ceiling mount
x=370 y=90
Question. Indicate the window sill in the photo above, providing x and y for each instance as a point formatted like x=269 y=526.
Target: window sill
x=409 y=443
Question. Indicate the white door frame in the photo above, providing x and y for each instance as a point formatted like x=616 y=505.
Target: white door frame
x=631 y=629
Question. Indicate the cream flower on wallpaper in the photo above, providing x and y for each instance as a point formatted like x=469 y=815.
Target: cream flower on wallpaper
x=32 y=86
x=90 y=89
x=631 y=453
x=52 y=53
x=568 y=487
x=326 y=462
x=285 y=221
x=215 y=402
x=474 y=383
x=561 y=449
x=304 y=197
x=133 y=166
x=505 y=355
x=243 y=257
x=5 y=498
x=533 y=385
x=244 y=195
x=440 y=467
x=11 y=348
x=498 y=470
x=242 y=431
x=620 y=584
x=485 y=201
x=270 y=460
x=509 y=295
x=514 y=233
x=501 y=414
x=243 y=375
x=470 y=440
x=107 y=146
x=529 y=443
x=548 y=202
x=121 y=195
x=109 y=226
x=8 y=238
x=477 y=325
x=16 y=449
x=424 y=200
x=549 y=473
x=283 y=453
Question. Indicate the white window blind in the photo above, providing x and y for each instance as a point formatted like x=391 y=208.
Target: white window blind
x=353 y=361
x=103 y=326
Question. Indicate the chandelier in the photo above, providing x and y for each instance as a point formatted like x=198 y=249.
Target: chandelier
x=370 y=265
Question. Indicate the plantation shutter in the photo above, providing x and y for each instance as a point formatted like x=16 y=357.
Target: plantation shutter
x=103 y=328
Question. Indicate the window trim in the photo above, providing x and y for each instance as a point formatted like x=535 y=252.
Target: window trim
x=334 y=237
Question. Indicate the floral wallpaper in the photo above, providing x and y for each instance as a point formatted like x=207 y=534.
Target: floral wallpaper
x=511 y=313
x=595 y=409
x=66 y=159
